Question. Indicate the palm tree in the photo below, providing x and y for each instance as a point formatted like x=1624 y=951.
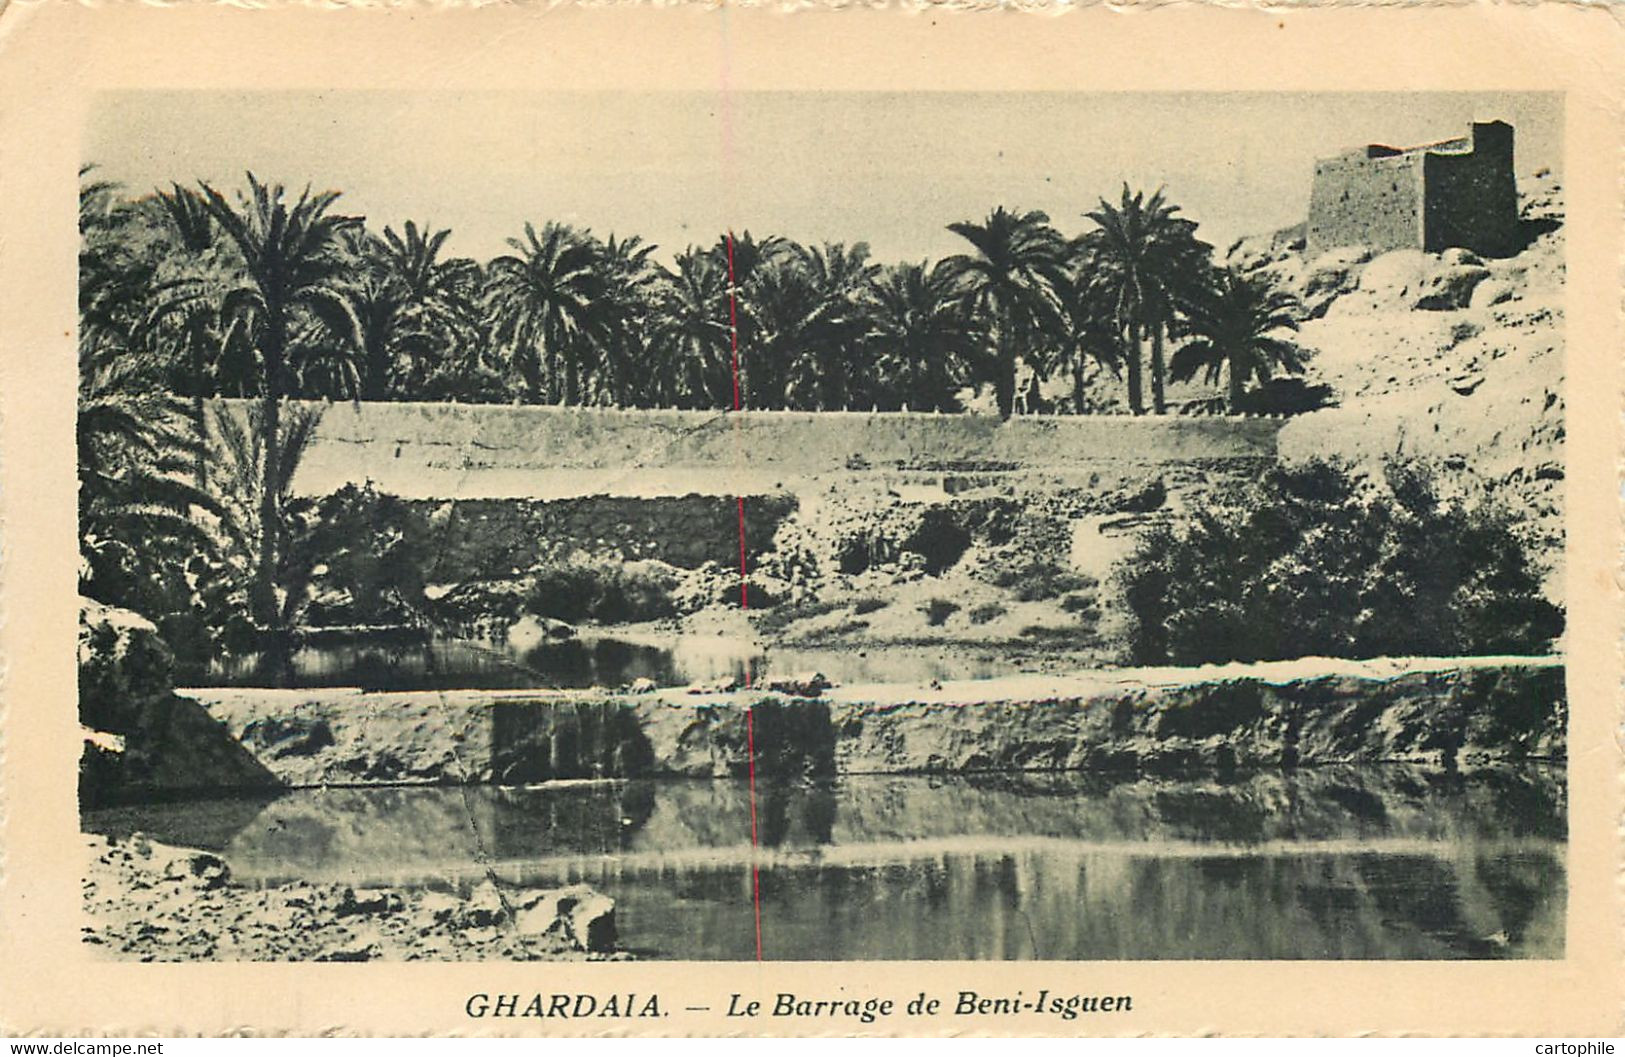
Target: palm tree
x=776 y=312
x=193 y=311
x=831 y=371
x=379 y=301
x=691 y=332
x=1237 y=326
x=920 y=334
x=293 y=265
x=1090 y=335
x=748 y=266
x=115 y=276
x=241 y=452
x=628 y=279
x=743 y=256
x=543 y=301
x=134 y=453
x=1150 y=256
x=1011 y=281
x=439 y=310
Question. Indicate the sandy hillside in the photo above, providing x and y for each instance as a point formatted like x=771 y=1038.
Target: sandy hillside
x=1446 y=356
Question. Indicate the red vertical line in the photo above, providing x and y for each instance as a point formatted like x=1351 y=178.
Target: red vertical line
x=755 y=869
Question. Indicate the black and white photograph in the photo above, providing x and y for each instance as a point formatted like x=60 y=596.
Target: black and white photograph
x=797 y=526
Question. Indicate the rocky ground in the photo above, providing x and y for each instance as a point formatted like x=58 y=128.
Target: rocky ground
x=146 y=901
x=1448 y=357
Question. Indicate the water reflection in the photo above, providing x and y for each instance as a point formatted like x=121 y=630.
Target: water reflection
x=1385 y=862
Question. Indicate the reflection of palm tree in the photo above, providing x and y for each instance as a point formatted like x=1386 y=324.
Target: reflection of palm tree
x=1011 y=282
x=918 y=329
x=543 y=300
x=293 y=265
x=1236 y=327
x=1149 y=255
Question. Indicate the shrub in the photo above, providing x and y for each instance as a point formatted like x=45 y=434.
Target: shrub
x=1315 y=560
x=938 y=539
x=986 y=612
x=869 y=605
x=855 y=554
x=605 y=591
x=369 y=550
x=1287 y=396
x=1081 y=605
x=781 y=617
x=938 y=610
x=1049 y=634
x=1039 y=580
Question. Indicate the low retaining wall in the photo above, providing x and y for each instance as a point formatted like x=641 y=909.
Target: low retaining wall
x=470 y=451
x=482 y=539
x=1446 y=714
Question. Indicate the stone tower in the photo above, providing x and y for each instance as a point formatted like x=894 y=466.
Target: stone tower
x=1459 y=192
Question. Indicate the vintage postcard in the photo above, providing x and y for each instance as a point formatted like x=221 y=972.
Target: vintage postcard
x=670 y=521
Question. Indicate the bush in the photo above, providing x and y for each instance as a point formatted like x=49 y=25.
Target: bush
x=367 y=550
x=986 y=612
x=938 y=539
x=781 y=617
x=869 y=605
x=1048 y=634
x=1040 y=580
x=1286 y=396
x=1082 y=606
x=938 y=610
x=608 y=592
x=1315 y=560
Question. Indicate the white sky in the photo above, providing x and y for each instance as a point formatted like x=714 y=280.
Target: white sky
x=678 y=168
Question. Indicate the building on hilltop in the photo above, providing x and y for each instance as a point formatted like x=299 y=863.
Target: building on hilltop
x=1460 y=192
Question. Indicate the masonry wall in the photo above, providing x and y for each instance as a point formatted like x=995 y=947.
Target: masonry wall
x=1465 y=712
x=1361 y=201
x=471 y=451
x=1472 y=199
x=484 y=539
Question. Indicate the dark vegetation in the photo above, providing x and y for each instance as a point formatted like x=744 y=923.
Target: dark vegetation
x=1318 y=560
x=600 y=590
x=1040 y=579
x=986 y=612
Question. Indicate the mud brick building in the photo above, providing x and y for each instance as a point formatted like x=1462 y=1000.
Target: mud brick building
x=1459 y=192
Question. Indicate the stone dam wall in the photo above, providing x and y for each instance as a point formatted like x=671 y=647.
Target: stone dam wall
x=1460 y=714
x=482 y=451
x=487 y=539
